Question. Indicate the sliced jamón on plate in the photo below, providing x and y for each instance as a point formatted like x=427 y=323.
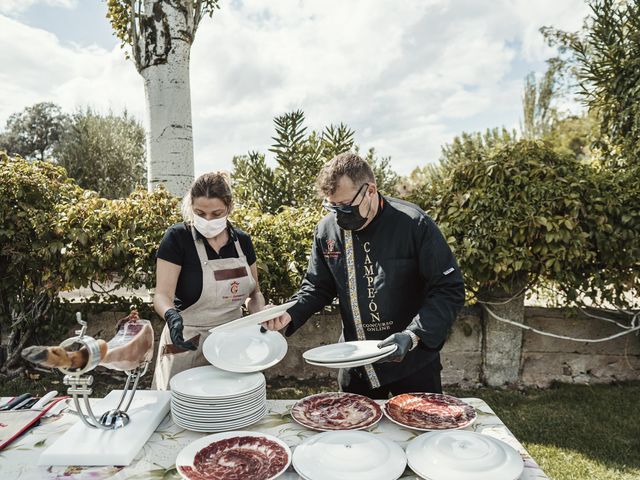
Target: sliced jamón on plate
x=336 y=411
x=234 y=456
x=429 y=411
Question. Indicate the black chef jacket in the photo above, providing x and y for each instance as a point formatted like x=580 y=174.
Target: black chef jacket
x=406 y=277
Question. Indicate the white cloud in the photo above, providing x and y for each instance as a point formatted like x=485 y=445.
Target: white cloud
x=407 y=76
x=12 y=7
x=37 y=67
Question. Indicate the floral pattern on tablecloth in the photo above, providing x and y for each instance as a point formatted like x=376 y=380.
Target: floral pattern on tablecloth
x=156 y=460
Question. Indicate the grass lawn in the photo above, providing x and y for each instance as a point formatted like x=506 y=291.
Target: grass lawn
x=574 y=432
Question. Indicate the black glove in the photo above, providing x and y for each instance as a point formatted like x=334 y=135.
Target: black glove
x=174 y=322
x=402 y=340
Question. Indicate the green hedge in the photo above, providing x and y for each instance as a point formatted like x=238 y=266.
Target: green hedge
x=518 y=212
x=520 y=215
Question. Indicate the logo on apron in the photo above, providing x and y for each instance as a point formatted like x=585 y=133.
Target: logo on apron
x=234 y=287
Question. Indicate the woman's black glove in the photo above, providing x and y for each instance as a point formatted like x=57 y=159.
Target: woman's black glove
x=404 y=342
x=176 y=327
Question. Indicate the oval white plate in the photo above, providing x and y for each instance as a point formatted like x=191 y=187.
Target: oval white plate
x=187 y=454
x=355 y=363
x=211 y=382
x=346 y=351
x=463 y=454
x=244 y=349
x=351 y=454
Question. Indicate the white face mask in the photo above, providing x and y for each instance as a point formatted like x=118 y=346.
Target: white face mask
x=209 y=228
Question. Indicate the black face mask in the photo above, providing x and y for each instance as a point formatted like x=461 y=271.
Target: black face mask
x=352 y=220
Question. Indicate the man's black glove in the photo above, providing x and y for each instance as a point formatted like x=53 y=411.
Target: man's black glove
x=176 y=326
x=402 y=340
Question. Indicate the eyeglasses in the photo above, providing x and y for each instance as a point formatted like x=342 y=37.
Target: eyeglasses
x=343 y=208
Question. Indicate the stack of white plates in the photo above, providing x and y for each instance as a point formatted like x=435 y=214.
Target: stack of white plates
x=347 y=354
x=207 y=399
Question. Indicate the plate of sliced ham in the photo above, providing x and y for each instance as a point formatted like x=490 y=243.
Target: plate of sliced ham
x=234 y=455
x=429 y=411
x=336 y=411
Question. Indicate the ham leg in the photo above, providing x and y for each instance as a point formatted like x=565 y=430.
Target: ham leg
x=131 y=347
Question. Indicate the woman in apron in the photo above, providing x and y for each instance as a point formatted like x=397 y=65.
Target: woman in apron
x=206 y=270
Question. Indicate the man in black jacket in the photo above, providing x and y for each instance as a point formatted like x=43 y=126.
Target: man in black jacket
x=394 y=275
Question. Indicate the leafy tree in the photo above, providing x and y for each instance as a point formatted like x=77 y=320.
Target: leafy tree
x=34 y=132
x=386 y=178
x=31 y=194
x=576 y=135
x=299 y=157
x=465 y=148
x=537 y=102
x=104 y=153
x=604 y=58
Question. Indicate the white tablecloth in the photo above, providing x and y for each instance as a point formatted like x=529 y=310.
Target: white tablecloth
x=157 y=457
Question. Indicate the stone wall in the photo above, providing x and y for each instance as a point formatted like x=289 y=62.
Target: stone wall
x=543 y=359
x=546 y=359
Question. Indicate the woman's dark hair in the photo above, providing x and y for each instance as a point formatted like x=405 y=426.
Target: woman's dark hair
x=209 y=185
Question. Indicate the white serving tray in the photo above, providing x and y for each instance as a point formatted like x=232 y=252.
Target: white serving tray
x=81 y=445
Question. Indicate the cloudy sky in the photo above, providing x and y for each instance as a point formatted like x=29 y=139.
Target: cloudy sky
x=406 y=75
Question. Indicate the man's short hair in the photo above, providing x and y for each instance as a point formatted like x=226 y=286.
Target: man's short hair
x=349 y=164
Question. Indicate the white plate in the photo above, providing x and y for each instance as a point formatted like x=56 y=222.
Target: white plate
x=218 y=407
x=463 y=454
x=258 y=317
x=220 y=402
x=351 y=454
x=244 y=349
x=218 y=411
x=347 y=351
x=219 y=427
x=211 y=382
x=252 y=416
x=355 y=363
x=217 y=417
x=187 y=454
